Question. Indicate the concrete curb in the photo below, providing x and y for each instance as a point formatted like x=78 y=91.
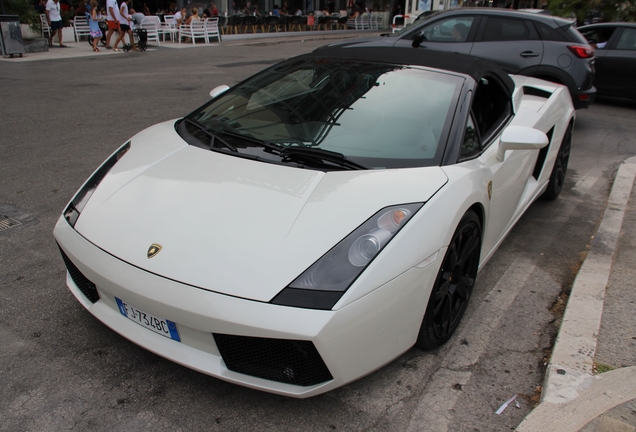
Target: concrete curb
x=605 y=391
x=569 y=381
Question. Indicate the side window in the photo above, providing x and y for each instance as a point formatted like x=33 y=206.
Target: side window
x=627 y=40
x=491 y=107
x=505 y=29
x=470 y=146
x=548 y=33
x=598 y=37
x=453 y=29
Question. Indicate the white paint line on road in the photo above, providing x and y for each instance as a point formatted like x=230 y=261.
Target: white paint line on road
x=433 y=411
x=589 y=179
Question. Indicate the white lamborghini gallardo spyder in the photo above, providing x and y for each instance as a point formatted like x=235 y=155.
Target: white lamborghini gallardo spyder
x=317 y=220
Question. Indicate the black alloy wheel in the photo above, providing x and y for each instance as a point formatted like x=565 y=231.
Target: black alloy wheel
x=454 y=284
x=557 y=177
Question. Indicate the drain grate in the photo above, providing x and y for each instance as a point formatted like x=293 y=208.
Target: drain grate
x=6 y=222
x=13 y=217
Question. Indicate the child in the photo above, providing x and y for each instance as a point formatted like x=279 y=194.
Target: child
x=93 y=23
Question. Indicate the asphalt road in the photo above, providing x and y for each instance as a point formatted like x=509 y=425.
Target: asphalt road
x=62 y=369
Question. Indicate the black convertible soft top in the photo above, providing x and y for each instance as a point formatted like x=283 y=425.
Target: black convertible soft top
x=458 y=63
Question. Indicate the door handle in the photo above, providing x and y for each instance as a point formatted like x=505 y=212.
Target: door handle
x=527 y=54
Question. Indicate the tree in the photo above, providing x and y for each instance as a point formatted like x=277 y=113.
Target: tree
x=606 y=10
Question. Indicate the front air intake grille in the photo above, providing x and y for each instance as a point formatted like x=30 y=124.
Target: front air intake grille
x=287 y=361
x=87 y=287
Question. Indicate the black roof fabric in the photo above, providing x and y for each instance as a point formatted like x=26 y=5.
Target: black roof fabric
x=458 y=63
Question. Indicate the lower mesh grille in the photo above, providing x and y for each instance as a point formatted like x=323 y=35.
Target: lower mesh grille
x=287 y=361
x=87 y=287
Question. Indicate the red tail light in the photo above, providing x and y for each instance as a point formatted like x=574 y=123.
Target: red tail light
x=582 y=51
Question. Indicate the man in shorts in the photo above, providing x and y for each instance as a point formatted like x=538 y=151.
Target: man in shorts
x=124 y=25
x=112 y=14
x=54 y=18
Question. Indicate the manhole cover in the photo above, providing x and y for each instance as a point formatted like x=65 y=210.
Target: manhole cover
x=6 y=222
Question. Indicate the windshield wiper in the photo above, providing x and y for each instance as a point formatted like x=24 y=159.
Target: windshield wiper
x=319 y=158
x=213 y=137
x=269 y=146
x=301 y=155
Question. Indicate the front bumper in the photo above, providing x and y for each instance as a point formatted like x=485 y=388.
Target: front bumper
x=352 y=342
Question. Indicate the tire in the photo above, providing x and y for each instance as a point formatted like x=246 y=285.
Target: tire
x=557 y=177
x=453 y=285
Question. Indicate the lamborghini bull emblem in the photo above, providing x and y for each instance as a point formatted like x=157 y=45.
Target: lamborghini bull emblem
x=153 y=250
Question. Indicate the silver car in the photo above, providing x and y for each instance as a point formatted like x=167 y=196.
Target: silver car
x=522 y=43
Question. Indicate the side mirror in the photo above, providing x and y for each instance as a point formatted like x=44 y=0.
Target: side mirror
x=218 y=90
x=520 y=138
x=418 y=39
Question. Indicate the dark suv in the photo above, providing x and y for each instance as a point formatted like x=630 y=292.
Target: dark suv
x=522 y=43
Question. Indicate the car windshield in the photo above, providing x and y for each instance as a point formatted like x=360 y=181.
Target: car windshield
x=377 y=115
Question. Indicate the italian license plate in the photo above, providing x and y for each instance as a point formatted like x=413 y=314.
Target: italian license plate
x=158 y=325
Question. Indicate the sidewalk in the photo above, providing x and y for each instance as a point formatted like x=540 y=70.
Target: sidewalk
x=83 y=49
x=598 y=331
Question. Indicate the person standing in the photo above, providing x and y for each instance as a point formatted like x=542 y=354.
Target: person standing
x=214 y=11
x=93 y=23
x=54 y=17
x=81 y=9
x=41 y=7
x=124 y=25
x=112 y=11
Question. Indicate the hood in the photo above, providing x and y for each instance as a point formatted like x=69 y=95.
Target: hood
x=232 y=225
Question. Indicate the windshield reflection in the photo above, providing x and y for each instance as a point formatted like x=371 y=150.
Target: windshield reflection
x=369 y=111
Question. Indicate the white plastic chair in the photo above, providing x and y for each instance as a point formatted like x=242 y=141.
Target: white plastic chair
x=376 y=21
x=366 y=21
x=152 y=25
x=211 y=26
x=169 y=27
x=81 y=27
x=355 y=23
x=194 y=30
x=45 y=25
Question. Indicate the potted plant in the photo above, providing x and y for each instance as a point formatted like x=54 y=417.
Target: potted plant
x=27 y=15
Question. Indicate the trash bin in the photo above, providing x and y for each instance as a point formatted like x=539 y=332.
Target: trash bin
x=11 y=36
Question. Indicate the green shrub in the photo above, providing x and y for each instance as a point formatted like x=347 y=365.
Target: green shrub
x=25 y=12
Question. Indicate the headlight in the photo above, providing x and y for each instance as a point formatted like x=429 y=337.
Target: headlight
x=72 y=212
x=322 y=284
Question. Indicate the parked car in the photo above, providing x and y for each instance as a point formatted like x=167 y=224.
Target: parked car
x=522 y=43
x=317 y=220
x=615 y=45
